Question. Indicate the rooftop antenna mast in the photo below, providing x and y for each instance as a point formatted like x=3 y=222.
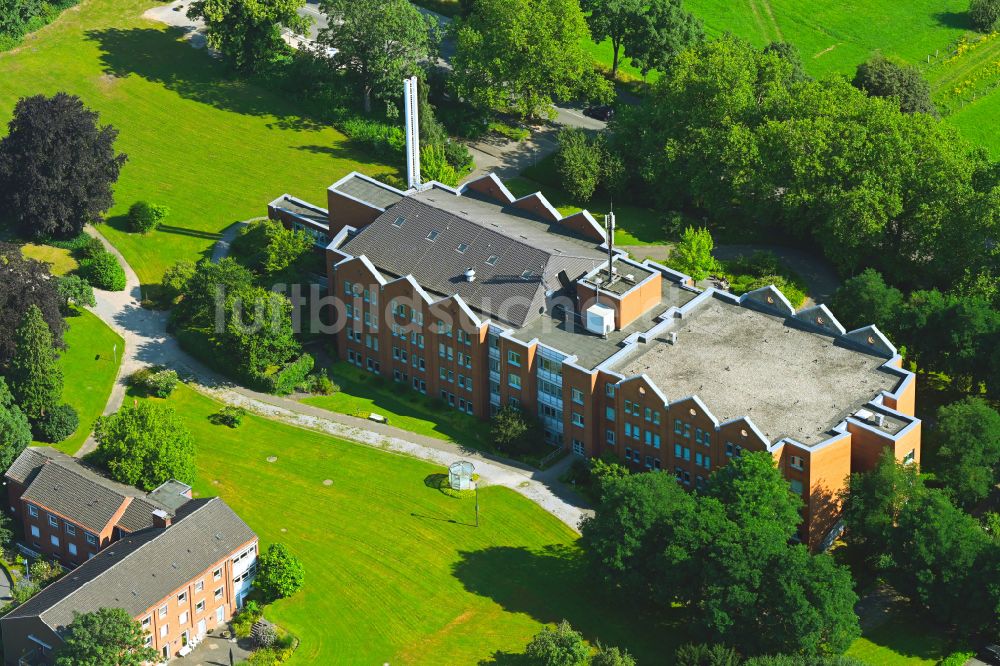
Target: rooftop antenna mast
x=411 y=102
x=609 y=224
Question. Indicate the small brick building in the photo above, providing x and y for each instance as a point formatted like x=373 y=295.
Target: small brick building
x=179 y=566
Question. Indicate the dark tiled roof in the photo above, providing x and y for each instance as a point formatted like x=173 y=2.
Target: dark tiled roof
x=141 y=569
x=138 y=515
x=73 y=495
x=529 y=254
x=31 y=460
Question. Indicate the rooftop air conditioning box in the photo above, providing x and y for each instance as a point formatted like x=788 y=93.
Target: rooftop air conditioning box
x=600 y=319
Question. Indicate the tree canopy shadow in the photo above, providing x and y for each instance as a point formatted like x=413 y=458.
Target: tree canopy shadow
x=553 y=583
x=958 y=20
x=166 y=58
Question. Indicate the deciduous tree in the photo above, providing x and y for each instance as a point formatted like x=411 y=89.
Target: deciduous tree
x=15 y=14
x=882 y=77
x=985 y=14
x=145 y=445
x=57 y=166
x=693 y=254
x=578 y=164
x=106 y=636
x=379 y=42
x=866 y=299
x=562 y=646
x=517 y=56
x=279 y=573
x=873 y=502
x=248 y=32
x=721 y=554
x=268 y=247
x=968 y=437
x=728 y=133
x=73 y=289
x=661 y=31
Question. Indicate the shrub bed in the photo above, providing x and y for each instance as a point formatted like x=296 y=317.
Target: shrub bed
x=103 y=272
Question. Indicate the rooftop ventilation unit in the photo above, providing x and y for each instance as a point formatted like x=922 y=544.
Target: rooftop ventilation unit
x=630 y=278
x=673 y=339
x=600 y=319
x=470 y=274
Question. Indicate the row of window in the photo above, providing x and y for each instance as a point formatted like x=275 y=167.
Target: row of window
x=635 y=409
x=54 y=521
x=449 y=376
x=462 y=404
x=635 y=456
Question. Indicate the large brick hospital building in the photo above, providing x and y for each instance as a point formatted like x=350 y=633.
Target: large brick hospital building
x=483 y=299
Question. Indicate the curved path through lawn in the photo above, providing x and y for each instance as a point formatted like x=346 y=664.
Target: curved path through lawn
x=148 y=343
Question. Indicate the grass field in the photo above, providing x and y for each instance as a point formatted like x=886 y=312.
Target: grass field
x=60 y=261
x=833 y=36
x=212 y=149
x=395 y=571
x=362 y=393
x=89 y=370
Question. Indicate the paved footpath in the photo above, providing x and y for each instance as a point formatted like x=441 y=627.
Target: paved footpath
x=147 y=343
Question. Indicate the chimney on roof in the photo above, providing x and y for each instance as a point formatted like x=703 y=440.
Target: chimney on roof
x=411 y=103
x=161 y=519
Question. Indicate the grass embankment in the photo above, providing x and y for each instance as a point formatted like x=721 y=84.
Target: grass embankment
x=395 y=571
x=211 y=148
x=363 y=394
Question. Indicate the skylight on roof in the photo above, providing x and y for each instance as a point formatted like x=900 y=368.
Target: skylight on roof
x=526 y=274
x=462 y=247
x=400 y=221
x=433 y=234
x=492 y=261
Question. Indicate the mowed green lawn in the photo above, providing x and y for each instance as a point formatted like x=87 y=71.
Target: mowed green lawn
x=89 y=366
x=978 y=122
x=396 y=572
x=901 y=641
x=212 y=149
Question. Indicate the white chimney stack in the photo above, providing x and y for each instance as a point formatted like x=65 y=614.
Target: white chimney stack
x=410 y=104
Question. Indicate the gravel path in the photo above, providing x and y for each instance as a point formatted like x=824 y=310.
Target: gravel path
x=147 y=343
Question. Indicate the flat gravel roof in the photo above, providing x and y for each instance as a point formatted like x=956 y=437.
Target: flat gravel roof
x=741 y=362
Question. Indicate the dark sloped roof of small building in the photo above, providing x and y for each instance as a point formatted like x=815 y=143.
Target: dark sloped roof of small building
x=442 y=235
x=64 y=485
x=73 y=495
x=143 y=568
